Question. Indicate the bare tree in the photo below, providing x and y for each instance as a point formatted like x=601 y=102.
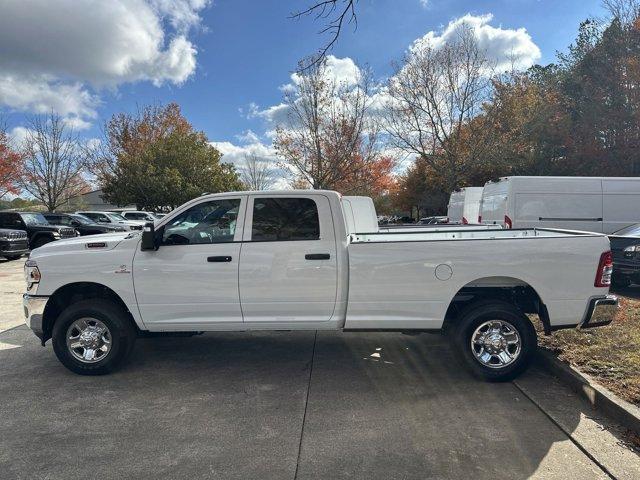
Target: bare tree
x=328 y=137
x=626 y=11
x=53 y=161
x=256 y=174
x=433 y=97
x=325 y=10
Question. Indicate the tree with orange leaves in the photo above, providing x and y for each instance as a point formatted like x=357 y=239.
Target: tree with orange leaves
x=329 y=140
x=11 y=165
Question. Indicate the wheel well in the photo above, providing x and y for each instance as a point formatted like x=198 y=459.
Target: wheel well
x=72 y=293
x=38 y=235
x=506 y=289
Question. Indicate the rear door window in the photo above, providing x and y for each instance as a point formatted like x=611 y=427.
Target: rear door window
x=285 y=219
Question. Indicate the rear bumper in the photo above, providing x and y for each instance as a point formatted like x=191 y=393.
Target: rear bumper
x=33 y=312
x=600 y=312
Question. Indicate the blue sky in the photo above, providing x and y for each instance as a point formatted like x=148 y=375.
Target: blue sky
x=244 y=50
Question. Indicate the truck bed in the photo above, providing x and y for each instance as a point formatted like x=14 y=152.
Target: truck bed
x=408 y=280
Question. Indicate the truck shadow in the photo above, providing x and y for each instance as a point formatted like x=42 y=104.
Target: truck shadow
x=375 y=405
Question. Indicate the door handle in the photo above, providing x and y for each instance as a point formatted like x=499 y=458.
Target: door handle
x=317 y=256
x=222 y=258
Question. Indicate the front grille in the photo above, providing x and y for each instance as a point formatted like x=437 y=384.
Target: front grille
x=17 y=235
x=14 y=246
x=67 y=232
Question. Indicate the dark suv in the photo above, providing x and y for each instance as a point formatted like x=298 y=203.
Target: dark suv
x=39 y=231
x=84 y=225
x=13 y=243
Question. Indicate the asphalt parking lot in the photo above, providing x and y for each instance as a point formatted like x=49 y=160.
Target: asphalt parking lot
x=290 y=405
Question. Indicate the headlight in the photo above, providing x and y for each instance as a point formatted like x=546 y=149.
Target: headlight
x=55 y=234
x=31 y=273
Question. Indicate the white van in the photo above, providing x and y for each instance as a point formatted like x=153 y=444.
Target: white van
x=360 y=217
x=596 y=204
x=464 y=205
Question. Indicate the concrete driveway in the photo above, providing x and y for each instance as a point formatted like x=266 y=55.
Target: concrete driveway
x=293 y=405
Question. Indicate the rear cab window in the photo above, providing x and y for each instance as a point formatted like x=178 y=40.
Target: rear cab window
x=284 y=219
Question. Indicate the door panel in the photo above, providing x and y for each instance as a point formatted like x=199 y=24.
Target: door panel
x=289 y=280
x=176 y=284
x=181 y=285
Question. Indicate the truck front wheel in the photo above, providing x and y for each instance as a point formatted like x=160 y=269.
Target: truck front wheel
x=496 y=340
x=93 y=337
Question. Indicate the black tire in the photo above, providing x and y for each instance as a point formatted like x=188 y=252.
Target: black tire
x=474 y=317
x=40 y=241
x=121 y=329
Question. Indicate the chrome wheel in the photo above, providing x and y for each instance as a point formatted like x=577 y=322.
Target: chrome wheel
x=88 y=340
x=496 y=344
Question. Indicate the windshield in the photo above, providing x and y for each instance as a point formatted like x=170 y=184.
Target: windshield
x=116 y=217
x=82 y=219
x=630 y=231
x=34 y=219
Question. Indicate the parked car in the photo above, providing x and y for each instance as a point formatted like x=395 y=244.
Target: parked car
x=433 y=220
x=84 y=225
x=13 y=243
x=113 y=219
x=283 y=261
x=464 y=205
x=625 y=247
x=594 y=204
x=39 y=231
x=139 y=215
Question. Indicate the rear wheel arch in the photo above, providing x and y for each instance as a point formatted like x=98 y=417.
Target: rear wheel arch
x=72 y=293
x=509 y=290
x=40 y=238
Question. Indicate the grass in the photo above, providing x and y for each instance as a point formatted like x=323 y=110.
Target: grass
x=611 y=354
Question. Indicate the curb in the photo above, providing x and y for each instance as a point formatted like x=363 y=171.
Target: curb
x=600 y=398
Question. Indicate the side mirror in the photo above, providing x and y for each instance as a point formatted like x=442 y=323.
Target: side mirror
x=148 y=237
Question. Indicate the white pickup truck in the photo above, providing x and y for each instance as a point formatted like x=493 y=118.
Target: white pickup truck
x=287 y=261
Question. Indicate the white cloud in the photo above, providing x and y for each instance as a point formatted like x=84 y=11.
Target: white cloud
x=57 y=55
x=424 y=3
x=505 y=47
x=40 y=94
x=18 y=135
x=342 y=71
x=252 y=145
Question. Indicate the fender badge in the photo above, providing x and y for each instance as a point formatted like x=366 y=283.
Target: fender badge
x=123 y=269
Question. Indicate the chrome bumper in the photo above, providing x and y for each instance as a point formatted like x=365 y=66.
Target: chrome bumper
x=33 y=312
x=600 y=312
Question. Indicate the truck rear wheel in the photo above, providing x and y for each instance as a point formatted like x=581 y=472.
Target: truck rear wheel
x=496 y=340
x=93 y=337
